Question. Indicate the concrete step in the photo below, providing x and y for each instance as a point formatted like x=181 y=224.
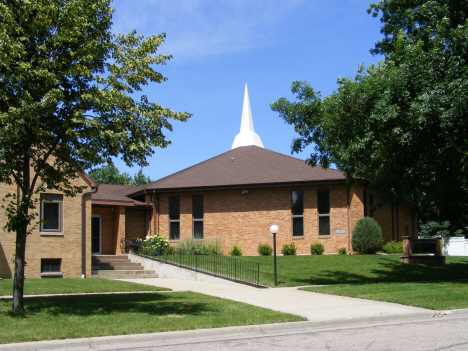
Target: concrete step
x=119 y=274
x=119 y=267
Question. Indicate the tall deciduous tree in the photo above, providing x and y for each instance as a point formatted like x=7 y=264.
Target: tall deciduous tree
x=402 y=124
x=110 y=174
x=68 y=101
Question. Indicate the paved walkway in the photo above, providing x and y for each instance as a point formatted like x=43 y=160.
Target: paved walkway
x=313 y=306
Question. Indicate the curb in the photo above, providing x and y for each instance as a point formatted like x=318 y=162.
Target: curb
x=241 y=332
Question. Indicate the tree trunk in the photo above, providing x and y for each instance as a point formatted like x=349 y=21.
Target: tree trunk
x=18 y=283
x=21 y=231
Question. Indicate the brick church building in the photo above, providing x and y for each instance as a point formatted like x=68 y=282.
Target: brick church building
x=235 y=196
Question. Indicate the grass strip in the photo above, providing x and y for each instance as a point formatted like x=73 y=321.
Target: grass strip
x=354 y=269
x=431 y=295
x=71 y=286
x=49 y=318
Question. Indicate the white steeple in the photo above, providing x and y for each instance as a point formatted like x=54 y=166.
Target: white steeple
x=247 y=136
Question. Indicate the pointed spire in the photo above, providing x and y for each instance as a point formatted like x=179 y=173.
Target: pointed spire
x=247 y=136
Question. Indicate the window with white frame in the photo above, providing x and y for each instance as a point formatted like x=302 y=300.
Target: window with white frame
x=297 y=210
x=323 y=204
x=174 y=217
x=197 y=216
x=51 y=213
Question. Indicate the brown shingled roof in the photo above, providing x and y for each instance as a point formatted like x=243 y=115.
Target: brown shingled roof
x=109 y=194
x=245 y=166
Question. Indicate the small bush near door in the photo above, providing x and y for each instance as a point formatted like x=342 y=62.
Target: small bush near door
x=289 y=249
x=235 y=251
x=264 y=249
x=317 y=249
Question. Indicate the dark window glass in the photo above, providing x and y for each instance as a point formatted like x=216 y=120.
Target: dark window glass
x=297 y=202
x=96 y=234
x=174 y=231
x=197 y=206
x=298 y=226
x=51 y=265
x=198 y=229
x=323 y=199
x=51 y=215
x=371 y=200
x=51 y=212
x=324 y=225
x=174 y=207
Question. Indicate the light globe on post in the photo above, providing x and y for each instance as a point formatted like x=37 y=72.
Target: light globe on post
x=274 y=229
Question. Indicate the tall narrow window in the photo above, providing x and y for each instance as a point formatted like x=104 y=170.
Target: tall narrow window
x=323 y=201
x=364 y=199
x=197 y=216
x=297 y=209
x=371 y=203
x=51 y=213
x=174 y=218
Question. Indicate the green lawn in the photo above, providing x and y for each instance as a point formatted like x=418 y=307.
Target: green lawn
x=68 y=286
x=49 y=318
x=358 y=269
x=431 y=295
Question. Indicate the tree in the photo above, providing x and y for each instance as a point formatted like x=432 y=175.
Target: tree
x=68 y=101
x=403 y=123
x=109 y=174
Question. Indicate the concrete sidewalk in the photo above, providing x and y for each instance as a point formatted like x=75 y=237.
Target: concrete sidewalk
x=313 y=306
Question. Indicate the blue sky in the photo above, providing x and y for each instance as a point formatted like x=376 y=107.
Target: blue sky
x=218 y=46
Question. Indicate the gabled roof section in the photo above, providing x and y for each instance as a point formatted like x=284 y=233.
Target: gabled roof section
x=250 y=166
x=111 y=194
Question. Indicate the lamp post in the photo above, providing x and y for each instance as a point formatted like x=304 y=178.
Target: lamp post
x=274 y=229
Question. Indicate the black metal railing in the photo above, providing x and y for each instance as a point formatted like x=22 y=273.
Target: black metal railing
x=233 y=269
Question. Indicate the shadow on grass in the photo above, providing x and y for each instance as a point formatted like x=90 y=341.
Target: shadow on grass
x=386 y=271
x=150 y=304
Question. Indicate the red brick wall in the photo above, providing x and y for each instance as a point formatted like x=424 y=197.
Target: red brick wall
x=245 y=219
x=135 y=225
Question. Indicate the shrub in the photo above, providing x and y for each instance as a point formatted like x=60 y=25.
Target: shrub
x=264 y=249
x=342 y=251
x=192 y=247
x=367 y=236
x=152 y=245
x=170 y=251
x=317 y=249
x=235 y=251
x=393 y=247
x=289 y=249
x=215 y=246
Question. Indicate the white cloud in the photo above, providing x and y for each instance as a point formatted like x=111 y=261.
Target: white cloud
x=197 y=28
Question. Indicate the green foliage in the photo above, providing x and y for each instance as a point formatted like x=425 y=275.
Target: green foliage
x=342 y=251
x=191 y=246
x=215 y=246
x=289 y=249
x=367 y=236
x=235 y=251
x=317 y=249
x=444 y=229
x=264 y=249
x=109 y=174
x=71 y=95
x=170 y=251
x=155 y=244
x=399 y=116
x=393 y=247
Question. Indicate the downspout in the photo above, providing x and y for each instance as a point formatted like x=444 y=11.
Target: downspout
x=157 y=214
x=83 y=231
